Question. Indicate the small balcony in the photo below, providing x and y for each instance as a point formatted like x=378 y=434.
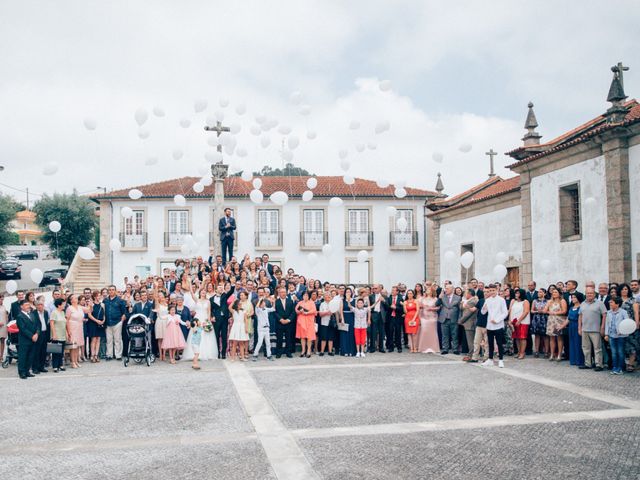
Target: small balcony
x=268 y=240
x=403 y=240
x=358 y=240
x=133 y=241
x=313 y=240
x=174 y=240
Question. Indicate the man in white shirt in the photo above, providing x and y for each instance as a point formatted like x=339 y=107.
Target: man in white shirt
x=496 y=309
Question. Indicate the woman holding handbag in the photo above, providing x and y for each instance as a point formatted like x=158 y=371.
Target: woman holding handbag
x=95 y=325
x=58 y=323
x=411 y=320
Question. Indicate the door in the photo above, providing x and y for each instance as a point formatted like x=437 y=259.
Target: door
x=358 y=228
x=359 y=273
x=178 y=227
x=268 y=228
x=313 y=228
x=134 y=230
x=513 y=276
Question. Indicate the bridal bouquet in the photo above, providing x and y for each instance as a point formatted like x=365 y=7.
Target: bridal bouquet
x=208 y=326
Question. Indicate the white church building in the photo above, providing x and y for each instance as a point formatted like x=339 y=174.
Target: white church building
x=153 y=236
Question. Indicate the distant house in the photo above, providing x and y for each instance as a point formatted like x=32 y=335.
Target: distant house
x=25 y=226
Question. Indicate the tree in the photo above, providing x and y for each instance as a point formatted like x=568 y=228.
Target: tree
x=77 y=217
x=8 y=209
x=289 y=170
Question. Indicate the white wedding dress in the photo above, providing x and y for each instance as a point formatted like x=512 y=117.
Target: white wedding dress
x=208 y=344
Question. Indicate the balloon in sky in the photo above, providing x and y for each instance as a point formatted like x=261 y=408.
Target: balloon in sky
x=158 y=111
x=135 y=194
x=55 y=226
x=90 y=123
x=50 y=168
x=307 y=195
x=200 y=105
x=141 y=116
x=185 y=122
x=256 y=196
x=279 y=197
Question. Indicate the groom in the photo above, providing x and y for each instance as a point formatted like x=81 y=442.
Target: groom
x=227 y=225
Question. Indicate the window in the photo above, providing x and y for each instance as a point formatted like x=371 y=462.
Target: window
x=178 y=228
x=407 y=235
x=465 y=274
x=359 y=273
x=133 y=234
x=570 y=225
x=313 y=232
x=268 y=234
x=358 y=229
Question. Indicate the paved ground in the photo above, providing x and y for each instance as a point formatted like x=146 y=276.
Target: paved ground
x=387 y=416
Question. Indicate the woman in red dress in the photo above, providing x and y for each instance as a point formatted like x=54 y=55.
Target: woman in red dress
x=411 y=320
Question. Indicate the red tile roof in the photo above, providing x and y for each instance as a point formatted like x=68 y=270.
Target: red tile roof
x=579 y=134
x=482 y=192
x=449 y=201
x=294 y=186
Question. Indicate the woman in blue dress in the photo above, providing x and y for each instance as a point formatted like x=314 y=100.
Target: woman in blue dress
x=347 y=337
x=576 y=357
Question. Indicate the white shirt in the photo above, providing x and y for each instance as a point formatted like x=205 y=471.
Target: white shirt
x=496 y=308
x=377 y=306
x=263 y=317
x=43 y=324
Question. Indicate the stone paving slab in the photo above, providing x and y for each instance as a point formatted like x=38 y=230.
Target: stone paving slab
x=234 y=460
x=574 y=450
x=414 y=393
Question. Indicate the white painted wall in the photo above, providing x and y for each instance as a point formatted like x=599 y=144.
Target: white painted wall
x=490 y=233
x=634 y=187
x=585 y=259
x=389 y=266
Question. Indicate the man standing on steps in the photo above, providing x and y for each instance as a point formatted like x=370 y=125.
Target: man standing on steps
x=227 y=225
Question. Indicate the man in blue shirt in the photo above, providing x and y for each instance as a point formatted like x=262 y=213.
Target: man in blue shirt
x=115 y=311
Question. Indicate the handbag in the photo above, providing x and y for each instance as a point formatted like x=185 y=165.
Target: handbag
x=55 y=347
x=343 y=326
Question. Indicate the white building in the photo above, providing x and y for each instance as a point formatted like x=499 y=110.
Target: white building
x=154 y=235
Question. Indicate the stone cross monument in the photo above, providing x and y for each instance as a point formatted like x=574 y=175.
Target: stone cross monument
x=491 y=154
x=219 y=172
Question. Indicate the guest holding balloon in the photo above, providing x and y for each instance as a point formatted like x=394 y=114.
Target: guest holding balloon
x=630 y=305
x=612 y=334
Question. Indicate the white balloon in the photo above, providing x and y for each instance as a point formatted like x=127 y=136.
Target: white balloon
x=241 y=109
x=402 y=224
x=335 y=304
x=437 y=157
x=185 y=249
x=246 y=175
x=335 y=202
x=151 y=161
x=200 y=105
x=345 y=164
x=382 y=183
x=287 y=155
x=11 y=287
x=546 y=265
x=86 y=253
x=36 y=275
x=211 y=121
x=50 y=168
x=158 y=111
x=143 y=133
x=342 y=154
x=296 y=97
x=188 y=239
x=307 y=195
x=198 y=187
x=327 y=249
x=213 y=141
x=265 y=141
x=466 y=259
x=449 y=256
x=385 y=85
x=372 y=145
x=206 y=181
x=279 y=197
x=260 y=119
x=382 y=127
x=391 y=211
x=362 y=256
x=179 y=200
x=312 y=258
x=135 y=194
x=348 y=179
x=311 y=134
x=627 y=326
x=293 y=142
x=400 y=192
x=219 y=115
x=223 y=102
x=241 y=152
x=284 y=129
x=177 y=154
x=360 y=147
x=255 y=130
x=465 y=147
x=305 y=110
x=185 y=122
x=126 y=212
x=354 y=125
x=257 y=183
x=115 y=245
x=312 y=182
x=501 y=257
x=235 y=128
x=141 y=116
x=55 y=226
x=90 y=123
x=256 y=196
x=499 y=272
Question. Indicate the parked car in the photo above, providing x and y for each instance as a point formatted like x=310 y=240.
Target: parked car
x=10 y=269
x=27 y=255
x=53 y=276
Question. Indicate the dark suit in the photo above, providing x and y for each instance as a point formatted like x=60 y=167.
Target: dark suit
x=285 y=331
x=28 y=327
x=15 y=310
x=448 y=318
x=377 y=330
x=220 y=315
x=185 y=316
x=395 y=319
x=227 y=225
x=39 y=357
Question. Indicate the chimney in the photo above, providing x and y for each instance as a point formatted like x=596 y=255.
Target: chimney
x=531 y=138
x=439 y=185
x=617 y=112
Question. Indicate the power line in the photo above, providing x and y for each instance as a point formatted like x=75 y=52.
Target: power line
x=29 y=192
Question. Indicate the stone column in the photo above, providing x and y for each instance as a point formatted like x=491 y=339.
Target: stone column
x=526 y=269
x=106 y=256
x=616 y=157
x=434 y=263
x=219 y=172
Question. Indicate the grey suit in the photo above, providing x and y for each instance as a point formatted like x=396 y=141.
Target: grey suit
x=468 y=321
x=448 y=317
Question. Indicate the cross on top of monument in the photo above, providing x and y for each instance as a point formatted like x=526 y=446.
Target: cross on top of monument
x=219 y=129
x=619 y=70
x=491 y=154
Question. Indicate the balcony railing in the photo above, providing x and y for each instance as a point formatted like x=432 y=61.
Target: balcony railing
x=407 y=238
x=131 y=240
x=358 y=239
x=268 y=239
x=310 y=239
x=174 y=239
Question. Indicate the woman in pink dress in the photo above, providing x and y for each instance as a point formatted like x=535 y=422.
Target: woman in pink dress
x=428 y=337
x=173 y=339
x=75 y=328
x=306 y=324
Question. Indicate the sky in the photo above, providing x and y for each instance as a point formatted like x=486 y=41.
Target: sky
x=460 y=75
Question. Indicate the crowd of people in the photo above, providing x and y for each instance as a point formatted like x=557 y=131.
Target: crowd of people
x=210 y=309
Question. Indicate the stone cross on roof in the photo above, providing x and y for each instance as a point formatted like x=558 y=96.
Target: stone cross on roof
x=218 y=128
x=491 y=154
x=618 y=70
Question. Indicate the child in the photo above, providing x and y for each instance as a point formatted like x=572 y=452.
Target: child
x=173 y=338
x=611 y=335
x=362 y=319
x=196 y=336
x=262 y=312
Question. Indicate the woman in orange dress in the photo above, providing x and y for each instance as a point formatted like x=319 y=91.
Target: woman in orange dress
x=306 y=324
x=411 y=320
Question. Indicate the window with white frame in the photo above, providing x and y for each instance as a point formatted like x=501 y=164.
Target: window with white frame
x=358 y=229
x=133 y=231
x=403 y=232
x=268 y=234
x=313 y=230
x=178 y=227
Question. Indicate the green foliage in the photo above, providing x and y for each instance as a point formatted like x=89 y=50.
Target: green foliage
x=77 y=217
x=8 y=209
x=289 y=170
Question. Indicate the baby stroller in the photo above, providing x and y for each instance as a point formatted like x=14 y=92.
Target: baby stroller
x=139 y=348
x=11 y=344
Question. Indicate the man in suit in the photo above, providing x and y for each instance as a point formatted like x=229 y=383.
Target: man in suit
x=41 y=318
x=220 y=318
x=227 y=225
x=266 y=265
x=395 y=317
x=467 y=319
x=532 y=292
x=377 y=332
x=603 y=294
x=15 y=306
x=449 y=304
x=285 y=326
x=301 y=287
x=27 y=339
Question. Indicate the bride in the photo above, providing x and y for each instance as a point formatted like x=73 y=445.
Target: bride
x=208 y=344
